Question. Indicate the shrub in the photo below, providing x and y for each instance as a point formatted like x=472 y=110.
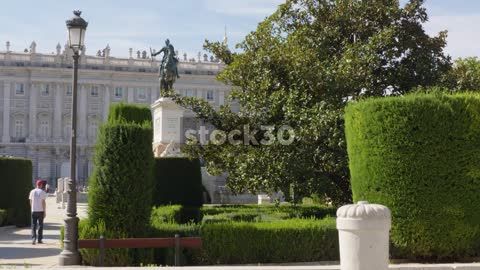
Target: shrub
x=176 y=214
x=113 y=256
x=120 y=190
x=296 y=240
x=178 y=181
x=265 y=212
x=166 y=214
x=161 y=229
x=3 y=216
x=420 y=156
x=129 y=113
x=215 y=218
x=16 y=181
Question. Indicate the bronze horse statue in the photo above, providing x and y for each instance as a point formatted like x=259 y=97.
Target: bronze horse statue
x=168 y=71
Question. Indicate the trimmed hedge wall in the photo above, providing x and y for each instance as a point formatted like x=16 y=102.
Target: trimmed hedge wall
x=16 y=182
x=3 y=216
x=420 y=156
x=295 y=240
x=120 y=191
x=178 y=181
x=129 y=113
x=166 y=256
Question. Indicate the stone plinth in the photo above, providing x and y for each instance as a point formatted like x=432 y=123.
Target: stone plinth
x=167 y=124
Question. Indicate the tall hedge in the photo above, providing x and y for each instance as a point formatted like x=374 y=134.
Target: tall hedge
x=420 y=156
x=16 y=182
x=131 y=113
x=178 y=181
x=120 y=191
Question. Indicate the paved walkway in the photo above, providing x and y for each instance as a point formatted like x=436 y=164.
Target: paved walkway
x=16 y=249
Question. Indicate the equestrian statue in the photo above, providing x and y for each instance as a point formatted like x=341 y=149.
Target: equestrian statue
x=168 y=72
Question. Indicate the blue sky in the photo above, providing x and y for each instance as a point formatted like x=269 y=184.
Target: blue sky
x=142 y=24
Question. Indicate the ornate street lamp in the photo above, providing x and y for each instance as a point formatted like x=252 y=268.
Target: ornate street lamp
x=70 y=255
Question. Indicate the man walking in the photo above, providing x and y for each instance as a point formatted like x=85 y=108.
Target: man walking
x=39 y=207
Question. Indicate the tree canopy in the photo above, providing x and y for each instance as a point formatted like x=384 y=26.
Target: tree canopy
x=299 y=68
x=464 y=76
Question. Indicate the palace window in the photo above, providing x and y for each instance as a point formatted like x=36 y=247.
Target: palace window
x=118 y=92
x=44 y=128
x=19 y=89
x=45 y=90
x=18 y=128
x=210 y=95
x=94 y=91
x=141 y=93
x=92 y=130
x=44 y=169
x=69 y=90
x=189 y=93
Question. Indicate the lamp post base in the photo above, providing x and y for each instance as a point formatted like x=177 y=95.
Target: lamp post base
x=70 y=254
x=69 y=258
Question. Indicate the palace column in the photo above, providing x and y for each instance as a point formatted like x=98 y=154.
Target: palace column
x=130 y=96
x=57 y=113
x=6 y=112
x=153 y=94
x=200 y=93
x=32 y=116
x=221 y=97
x=106 y=102
x=82 y=115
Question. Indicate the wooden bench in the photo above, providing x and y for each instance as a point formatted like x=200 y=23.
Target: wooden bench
x=177 y=242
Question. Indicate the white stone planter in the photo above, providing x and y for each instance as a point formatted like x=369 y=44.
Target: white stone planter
x=363 y=236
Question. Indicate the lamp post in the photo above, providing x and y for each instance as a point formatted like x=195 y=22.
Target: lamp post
x=70 y=255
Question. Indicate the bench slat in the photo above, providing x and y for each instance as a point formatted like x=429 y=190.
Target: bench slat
x=191 y=242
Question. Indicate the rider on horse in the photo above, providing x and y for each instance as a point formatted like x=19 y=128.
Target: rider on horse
x=169 y=61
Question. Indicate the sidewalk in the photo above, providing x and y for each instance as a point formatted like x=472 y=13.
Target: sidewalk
x=16 y=249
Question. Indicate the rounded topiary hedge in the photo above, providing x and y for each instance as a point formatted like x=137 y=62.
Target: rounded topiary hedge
x=420 y=156
x=16 y=183
x=131 y=113
x=121 y=185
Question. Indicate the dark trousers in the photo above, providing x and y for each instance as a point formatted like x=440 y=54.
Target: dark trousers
x=37 y=217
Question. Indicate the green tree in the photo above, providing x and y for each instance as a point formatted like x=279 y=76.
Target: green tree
x=464 y=76
x=299 y=68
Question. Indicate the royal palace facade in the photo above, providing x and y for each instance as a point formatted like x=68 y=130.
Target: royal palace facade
x=36 y=100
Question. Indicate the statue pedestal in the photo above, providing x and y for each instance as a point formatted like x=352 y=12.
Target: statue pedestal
x=167 y=126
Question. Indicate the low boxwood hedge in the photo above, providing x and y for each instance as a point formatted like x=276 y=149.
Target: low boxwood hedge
x=165 y=256
x=268 y=212
x=420 y=156
x=295 y=240
x=166 y=214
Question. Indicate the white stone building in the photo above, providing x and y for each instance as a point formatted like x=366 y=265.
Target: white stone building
x=35 y=101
